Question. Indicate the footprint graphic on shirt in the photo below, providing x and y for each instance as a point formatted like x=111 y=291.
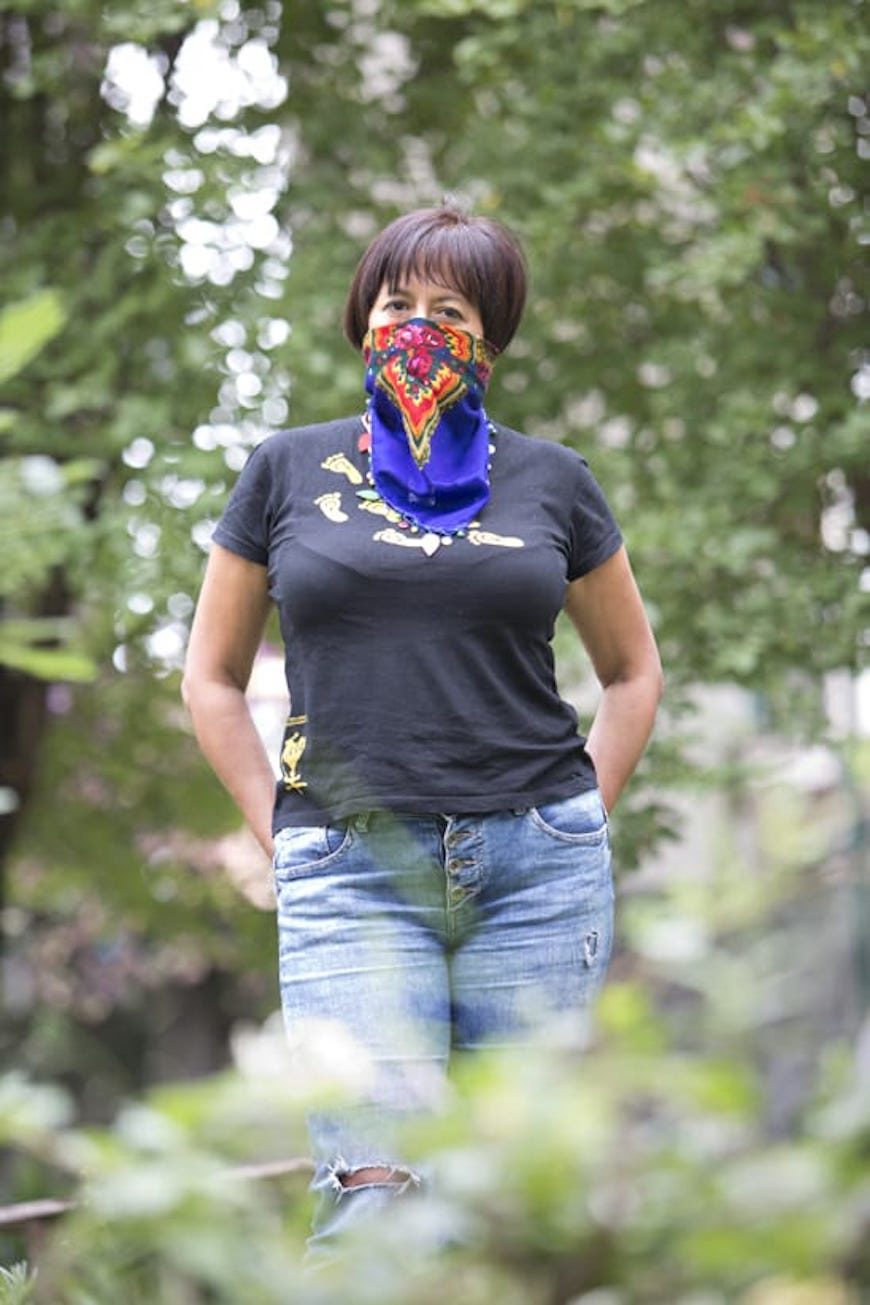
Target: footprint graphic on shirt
x=338 y=463
x=488 y=537
x=391 y=536
x=330 y=506
x=380 y=509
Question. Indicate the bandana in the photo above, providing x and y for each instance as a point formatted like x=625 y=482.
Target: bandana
x=430 y=434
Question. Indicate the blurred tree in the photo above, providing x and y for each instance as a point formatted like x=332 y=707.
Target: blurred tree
x=139 y=167
x=161 y=266
x=636 y=1171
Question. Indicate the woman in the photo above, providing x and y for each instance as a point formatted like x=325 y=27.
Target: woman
x=439 y=830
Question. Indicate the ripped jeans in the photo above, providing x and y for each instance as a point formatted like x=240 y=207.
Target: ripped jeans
x=428 y=934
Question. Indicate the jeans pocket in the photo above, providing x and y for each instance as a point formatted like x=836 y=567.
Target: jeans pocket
x=301 y=849
x=580 y=819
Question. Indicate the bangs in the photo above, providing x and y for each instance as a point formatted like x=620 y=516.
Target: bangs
x=441 y=256
x=476 y=256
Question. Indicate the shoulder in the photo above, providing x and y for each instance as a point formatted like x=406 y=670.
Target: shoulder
x=546 y=455
x=302 y=441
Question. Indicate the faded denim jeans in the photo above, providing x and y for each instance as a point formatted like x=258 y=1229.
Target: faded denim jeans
x=429 y=934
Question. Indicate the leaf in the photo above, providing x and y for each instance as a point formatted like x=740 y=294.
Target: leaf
x=35 y=629
x=30 y=1110
x=26 y=327
x=16 y=1284
x=49 y=663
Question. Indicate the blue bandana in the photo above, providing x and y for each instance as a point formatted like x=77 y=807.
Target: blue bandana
x=429 y=431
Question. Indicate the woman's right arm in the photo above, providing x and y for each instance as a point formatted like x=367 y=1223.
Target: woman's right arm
x=224 y=638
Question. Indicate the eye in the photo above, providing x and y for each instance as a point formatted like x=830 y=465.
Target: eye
x=392 y=304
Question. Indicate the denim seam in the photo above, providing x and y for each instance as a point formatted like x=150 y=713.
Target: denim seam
x=590 y=837
x=292 y=871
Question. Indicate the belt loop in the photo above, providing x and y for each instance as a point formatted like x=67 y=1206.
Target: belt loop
x=361 y=820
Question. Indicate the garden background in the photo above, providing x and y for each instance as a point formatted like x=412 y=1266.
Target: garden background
x=186 y=188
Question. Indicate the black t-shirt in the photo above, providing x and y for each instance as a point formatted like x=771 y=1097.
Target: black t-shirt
x=419 y=681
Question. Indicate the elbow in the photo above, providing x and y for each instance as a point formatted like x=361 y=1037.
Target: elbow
x=659 y=681
x=645 y=676
x=186 y=690
x=646 y=683
x=191 y=685
x=655 y=677
x=194 y=696
x=199 y=687
x=195 y=679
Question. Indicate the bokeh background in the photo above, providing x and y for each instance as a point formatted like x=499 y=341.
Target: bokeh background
x=186 y=188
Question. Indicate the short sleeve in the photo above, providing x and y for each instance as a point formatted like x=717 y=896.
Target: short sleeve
x=594 y=534
x=244 y=525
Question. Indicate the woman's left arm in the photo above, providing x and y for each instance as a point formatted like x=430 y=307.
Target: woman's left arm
x=606 y=608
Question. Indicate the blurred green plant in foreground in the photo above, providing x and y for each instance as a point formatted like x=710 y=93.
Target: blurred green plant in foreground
x=631 y=1162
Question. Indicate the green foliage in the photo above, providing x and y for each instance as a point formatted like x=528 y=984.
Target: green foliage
x=654 y=1153
x=631 y=1167
x=25 y=328
x=16 y=1285
x=105 y=501
x=155 y=905
x=30 y=1112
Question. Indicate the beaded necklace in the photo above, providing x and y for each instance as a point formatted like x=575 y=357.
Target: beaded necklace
x=431 y=537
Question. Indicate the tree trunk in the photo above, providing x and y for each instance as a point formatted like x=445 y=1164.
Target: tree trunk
x=23 y=712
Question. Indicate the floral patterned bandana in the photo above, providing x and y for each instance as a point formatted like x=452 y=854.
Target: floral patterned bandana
x=430 y=434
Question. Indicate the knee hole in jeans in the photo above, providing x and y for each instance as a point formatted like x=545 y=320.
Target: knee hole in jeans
x=377 y=1176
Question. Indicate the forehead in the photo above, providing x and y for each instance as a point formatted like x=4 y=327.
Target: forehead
x=416 y=281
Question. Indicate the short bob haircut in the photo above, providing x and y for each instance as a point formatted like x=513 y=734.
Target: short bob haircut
x=475 y=255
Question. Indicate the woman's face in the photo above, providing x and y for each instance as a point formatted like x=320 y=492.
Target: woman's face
x=414 y=297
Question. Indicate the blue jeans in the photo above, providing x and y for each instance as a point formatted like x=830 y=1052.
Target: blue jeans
x=429 y=934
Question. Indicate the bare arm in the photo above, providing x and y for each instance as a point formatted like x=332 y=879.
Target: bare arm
x=606 y=608
x=226 y=632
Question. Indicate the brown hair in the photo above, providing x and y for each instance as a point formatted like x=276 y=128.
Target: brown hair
x=476 y=255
